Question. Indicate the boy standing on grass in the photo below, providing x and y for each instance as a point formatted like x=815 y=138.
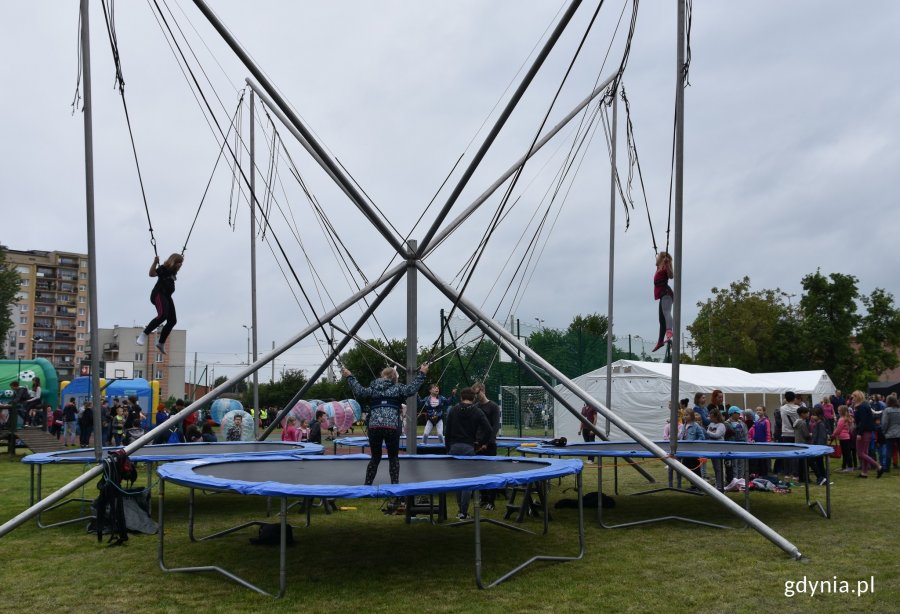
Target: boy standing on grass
x=819 y=437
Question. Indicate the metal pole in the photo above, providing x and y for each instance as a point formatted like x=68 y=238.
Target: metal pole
x=612 y=255
x=335 y=352
x=195 y=379
x=321 y=155
x=487 y=323
x=519 y=382
x=253 y=321
x=464 y=215
x=412 y=333
x=498 y=125
x=272 y=381
x=176 y=419
x=87 y=110
x=679 y=208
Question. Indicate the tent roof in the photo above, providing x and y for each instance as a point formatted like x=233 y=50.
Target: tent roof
x=701 y=377
x=803 y=382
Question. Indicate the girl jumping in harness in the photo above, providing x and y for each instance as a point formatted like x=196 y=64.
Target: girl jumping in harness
x=161 y=297
x=386 y=396
x=435 y=408
x=663 y=293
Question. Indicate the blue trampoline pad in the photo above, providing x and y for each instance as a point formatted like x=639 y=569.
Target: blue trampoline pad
x=342 y=476
x=433 y=443
x=687 y=449
x=178 y=451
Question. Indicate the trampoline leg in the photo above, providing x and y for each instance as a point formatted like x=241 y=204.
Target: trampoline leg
x=191 y=514
x=615 y=474
x=600 y=487
x=31 y=490
x=161 y=549
x=827 y=487
x=512 y=572
x=282 y=560
x=39 y=495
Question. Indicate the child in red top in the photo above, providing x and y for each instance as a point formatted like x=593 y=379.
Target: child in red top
x=663 y=293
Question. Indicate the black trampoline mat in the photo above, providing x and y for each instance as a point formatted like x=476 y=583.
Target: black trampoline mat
x=351 y=472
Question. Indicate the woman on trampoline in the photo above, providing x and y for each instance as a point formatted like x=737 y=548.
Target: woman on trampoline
x=663 y=293
x=161 y=297
x=386 y=396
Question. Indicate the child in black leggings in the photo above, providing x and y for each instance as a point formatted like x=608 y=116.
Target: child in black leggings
x=161 y=297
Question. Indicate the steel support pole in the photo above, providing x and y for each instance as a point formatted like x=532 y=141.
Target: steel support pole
x=321 y=156
x=501 y=121
x=253 y=321
x=464 y=215
x=176 y=419
x=679 y=209
x=485 y=322
x=412 y=334
x=335 y=352
x=612 y=255
x=87 y=112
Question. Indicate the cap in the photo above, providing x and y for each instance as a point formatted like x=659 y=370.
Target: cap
x=734 y=409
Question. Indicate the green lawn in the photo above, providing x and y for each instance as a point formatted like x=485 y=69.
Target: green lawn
x=363 y=561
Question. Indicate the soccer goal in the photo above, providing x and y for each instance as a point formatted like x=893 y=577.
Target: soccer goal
x=526 y=411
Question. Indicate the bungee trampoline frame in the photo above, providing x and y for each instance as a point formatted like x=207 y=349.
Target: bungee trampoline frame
x=185 y=474
x=693 y=450
x=149 y=455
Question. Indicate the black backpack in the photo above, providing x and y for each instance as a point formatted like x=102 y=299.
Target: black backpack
x=110 y=506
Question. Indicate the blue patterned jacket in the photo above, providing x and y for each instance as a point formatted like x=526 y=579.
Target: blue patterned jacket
x=385 y=398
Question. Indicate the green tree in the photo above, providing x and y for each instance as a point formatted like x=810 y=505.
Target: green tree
x=878 y=337
x=746 y=329
x=9 y=286
x=828 y=312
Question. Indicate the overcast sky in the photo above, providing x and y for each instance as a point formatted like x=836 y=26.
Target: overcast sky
x=791 y=153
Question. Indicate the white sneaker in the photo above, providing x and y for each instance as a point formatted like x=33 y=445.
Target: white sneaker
x=161 y=347
x=141 y=339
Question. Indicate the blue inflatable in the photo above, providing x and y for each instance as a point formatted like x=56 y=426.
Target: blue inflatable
x=220 y=407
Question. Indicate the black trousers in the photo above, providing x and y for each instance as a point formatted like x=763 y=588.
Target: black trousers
x=389 y=438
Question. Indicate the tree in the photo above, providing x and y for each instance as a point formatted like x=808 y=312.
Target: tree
x=878 y=337
x=9 y=287
x=829 y=318
x=746 y=329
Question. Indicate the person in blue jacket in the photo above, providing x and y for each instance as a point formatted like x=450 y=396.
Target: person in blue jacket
x=385 y=396
x=435 y=408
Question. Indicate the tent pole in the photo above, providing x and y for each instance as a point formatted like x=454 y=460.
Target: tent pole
x=486 y=322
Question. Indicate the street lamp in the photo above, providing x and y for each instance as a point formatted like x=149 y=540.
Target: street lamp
x=34 y=341
x=643 y=353
x=249 y=328
x=540 y=323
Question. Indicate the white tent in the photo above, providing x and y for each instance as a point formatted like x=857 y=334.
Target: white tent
x=815 y=384
x=641 y=392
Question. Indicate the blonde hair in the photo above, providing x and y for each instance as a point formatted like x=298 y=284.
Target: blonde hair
x=662 y=257
x=858 y=396
x=390 y=373
x=172 y=260
x=843 y=411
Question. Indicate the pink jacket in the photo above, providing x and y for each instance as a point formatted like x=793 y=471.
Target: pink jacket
x=290 y=433
x=841 y=429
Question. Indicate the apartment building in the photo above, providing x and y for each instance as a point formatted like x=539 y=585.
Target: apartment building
x=50 y=313
x=118 y=343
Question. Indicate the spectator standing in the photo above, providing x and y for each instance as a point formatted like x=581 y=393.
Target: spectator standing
x=70 y=422
x=865 y=432
x=468 y=433
x=890 y=425
x=700 y=408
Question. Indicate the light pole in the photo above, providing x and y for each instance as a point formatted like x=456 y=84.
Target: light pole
x=249 y=330
x=34 y=341
x=540 y=323
x=643 y=353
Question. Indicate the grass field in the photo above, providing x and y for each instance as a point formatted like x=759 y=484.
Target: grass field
x=364 y=561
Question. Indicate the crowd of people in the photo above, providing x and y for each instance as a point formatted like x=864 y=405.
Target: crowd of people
x=865 y=432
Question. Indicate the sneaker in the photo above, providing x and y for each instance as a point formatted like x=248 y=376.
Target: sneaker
x=461 y=516
x=880 y=473
x=488 y=507
x=657 y=346
x=141 y=339
x=668 y=337
x=824 y=481
x=161 y=347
